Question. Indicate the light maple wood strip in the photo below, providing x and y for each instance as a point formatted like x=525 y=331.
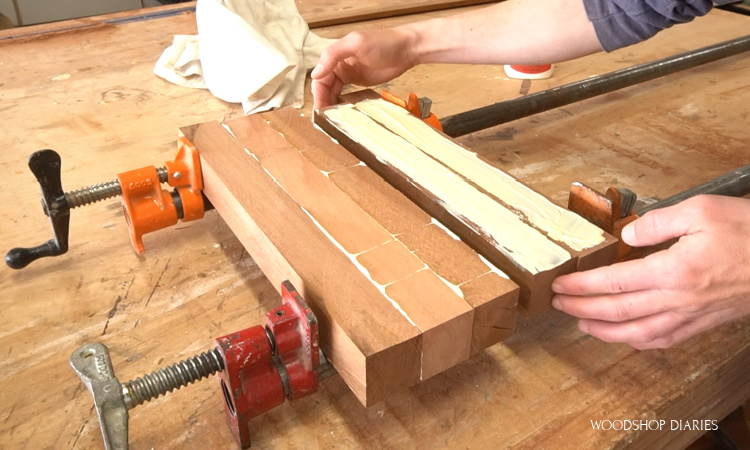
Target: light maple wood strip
x=442 y=316
x=445 y=255
x=589 y=244
x=535 y=290
x=374 y=348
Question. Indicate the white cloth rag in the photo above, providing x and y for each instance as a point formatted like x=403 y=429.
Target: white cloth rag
x=254 y=52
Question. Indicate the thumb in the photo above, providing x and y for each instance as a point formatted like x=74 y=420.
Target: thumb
x=324 y=66
x=657 y=226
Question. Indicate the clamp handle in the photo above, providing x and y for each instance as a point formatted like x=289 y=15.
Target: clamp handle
x=46 y=167
x=94 y=366
x=146 y=206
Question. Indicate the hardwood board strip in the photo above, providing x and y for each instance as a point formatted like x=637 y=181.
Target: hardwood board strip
x=494 y=316
x=318 y=147
x=322 y=15
x=386 y=204
x=447 y=256
x=446 y=326
x=492 y=294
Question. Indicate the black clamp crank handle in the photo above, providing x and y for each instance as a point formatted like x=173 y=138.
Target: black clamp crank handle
x=45 y=165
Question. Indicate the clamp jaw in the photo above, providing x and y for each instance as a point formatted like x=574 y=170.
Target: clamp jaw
x=146 y=206
x=418 y=106
x=265 y=366
x=260 y=367
x=610 y=212
x=616 y=208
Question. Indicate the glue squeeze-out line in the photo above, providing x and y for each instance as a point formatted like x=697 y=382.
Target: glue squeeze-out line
x=504 y=229
x=348 y=254
x=559 y=223
x=354 y=256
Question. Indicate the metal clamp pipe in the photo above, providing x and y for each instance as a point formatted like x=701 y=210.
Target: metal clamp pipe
x=499 y=113
x=734 y=184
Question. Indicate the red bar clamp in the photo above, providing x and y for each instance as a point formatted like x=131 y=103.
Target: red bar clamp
x=260 y=367
x=263 y=366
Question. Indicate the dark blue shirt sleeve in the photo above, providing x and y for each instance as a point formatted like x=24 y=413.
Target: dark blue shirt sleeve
x=619 y=23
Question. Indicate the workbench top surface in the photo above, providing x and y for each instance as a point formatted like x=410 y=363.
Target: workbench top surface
x=89 y=92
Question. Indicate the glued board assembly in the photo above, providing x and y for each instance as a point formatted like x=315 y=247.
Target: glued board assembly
x=516 y=228
x=399 y=298
x=485 y=288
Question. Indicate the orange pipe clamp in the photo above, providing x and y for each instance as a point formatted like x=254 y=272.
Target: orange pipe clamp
x=148 y=207
x=412 y=105
x=608 y=211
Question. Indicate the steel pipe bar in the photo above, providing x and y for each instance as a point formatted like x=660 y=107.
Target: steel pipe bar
x=734 y=184
x=502 y=112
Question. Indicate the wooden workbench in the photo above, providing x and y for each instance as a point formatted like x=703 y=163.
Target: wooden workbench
x=88 y=92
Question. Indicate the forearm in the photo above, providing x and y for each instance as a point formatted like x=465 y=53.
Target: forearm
x=510 y=32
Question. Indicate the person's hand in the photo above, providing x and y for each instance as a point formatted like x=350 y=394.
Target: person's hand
x=364 y=58
x=701 y=281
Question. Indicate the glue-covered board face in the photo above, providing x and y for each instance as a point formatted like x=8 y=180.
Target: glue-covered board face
x=558 y=223
x=517 y=228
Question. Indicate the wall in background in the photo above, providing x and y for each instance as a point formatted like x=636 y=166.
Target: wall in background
x=7 y=9
x=31 y=12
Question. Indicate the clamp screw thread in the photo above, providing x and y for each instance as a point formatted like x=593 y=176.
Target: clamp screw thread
x=172 y=377
x=93 y=194
x=103 y=191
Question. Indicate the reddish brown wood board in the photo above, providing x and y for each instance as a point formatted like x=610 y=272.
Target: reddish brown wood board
x=373 y=347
